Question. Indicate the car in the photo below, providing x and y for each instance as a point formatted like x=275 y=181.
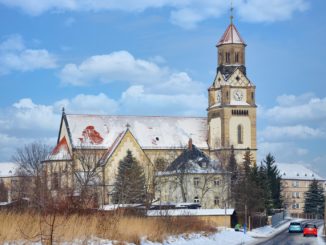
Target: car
x=295 y=227
x=310 y=230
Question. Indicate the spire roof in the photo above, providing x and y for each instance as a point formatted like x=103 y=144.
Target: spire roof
x=231 y=35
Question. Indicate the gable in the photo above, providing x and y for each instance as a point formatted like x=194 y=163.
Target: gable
x=64 y=133
x=61 y=151
x=238 y=79
x=126 y=142
x=219 y=80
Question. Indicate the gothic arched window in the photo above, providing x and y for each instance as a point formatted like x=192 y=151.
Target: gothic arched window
x=236 y=57
x=227 y=57
x=240 y=134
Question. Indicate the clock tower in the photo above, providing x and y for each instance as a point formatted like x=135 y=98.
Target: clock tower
x=231 y=107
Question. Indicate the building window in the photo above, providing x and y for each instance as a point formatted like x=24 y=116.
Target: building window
x=216 y=182
x=196 y=199
x=236 y=57
x=196 y=181
x=252 y=95
x=55 y=181
x=240 y=134
x=227 y=57
x=295 y=206
x=295 y=194
x=220 y=57
x=295 y=183
x=216 y=201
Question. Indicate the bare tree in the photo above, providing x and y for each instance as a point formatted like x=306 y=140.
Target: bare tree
x=88 y=174
x=3 y=192
x=29 y=159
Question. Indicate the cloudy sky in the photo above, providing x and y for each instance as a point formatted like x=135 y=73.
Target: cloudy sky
x=158 y=57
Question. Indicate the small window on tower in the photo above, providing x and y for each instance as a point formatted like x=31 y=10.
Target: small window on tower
x=236 y=57
x=227 y=57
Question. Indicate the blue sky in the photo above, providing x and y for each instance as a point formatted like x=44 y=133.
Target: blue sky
x=158 y=58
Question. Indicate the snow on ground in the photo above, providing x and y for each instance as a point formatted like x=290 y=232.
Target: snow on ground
x=228 y=236
x=268 y=230
x=321 y=238
x=225 y=236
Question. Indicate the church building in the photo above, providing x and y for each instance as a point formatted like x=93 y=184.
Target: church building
x=230 y=122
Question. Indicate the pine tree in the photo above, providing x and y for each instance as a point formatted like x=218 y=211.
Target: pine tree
x=232 y=167
x=130 y=182
x=265 y=186
x=314 y=199
x=274 y=181
x=248 y=191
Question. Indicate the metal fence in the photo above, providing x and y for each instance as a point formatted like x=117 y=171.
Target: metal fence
x=277 y=218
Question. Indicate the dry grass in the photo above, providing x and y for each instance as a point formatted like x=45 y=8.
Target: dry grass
x=29 y=225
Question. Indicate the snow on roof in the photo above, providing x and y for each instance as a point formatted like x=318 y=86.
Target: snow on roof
x=7 y=169
x=190 y=212
x=151 y=132
x=235 y=102
x=297 y=171
x=192 y=160
x=61 y=151
x=112 y=148
x=231 y=35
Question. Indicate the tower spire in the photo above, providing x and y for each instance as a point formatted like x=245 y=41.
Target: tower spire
x=231 y=12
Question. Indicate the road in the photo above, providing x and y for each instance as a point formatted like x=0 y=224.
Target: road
x=285 y=238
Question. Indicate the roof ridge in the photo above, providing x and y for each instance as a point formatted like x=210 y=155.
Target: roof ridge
x=146 y=116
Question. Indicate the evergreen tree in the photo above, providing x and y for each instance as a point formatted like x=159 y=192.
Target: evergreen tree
x=232 y=167
x=273 y=180
x=248 y=190
x=130 y=182
x=314 y=199
x=265 y=186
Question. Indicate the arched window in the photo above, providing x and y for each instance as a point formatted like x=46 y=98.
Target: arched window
x=236 y=57
x=227 y=57
x=240 y=134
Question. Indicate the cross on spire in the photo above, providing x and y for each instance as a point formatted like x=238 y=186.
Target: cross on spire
x=231 y=12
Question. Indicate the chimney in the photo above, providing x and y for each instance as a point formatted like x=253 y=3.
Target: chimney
x=190 y=144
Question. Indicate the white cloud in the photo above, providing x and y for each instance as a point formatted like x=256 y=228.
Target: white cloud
x=25 y=114
x=296 y=109
x=135 y=99
x=185 y=13
x=14 y=56
x=14 y=42
x=88 y=104
x=121 y=66
x=270 y=10
x=283 y=151
x=291 y=133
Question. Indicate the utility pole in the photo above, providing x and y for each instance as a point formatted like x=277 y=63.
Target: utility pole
x=324 y=216
x=245 y=224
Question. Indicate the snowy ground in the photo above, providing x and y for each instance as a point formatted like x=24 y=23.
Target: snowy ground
x=222 y=237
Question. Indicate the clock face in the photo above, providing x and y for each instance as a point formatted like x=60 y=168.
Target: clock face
x=238 y=95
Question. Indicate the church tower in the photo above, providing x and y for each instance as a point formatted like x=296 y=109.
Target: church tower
x=232 y=107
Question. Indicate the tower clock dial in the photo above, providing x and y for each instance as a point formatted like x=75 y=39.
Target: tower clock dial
x=238 y=95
